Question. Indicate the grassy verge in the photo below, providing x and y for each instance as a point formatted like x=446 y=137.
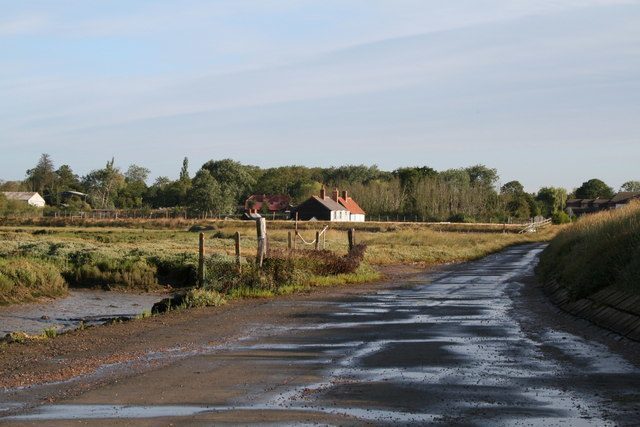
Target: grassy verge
x=598 y=251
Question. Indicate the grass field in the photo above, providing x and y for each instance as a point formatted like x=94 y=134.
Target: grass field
x=598 y=251
x=141 y=259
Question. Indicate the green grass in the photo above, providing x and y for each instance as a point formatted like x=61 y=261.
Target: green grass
x=598 y=251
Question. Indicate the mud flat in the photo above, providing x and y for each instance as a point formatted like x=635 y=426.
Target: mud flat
x=90 y=307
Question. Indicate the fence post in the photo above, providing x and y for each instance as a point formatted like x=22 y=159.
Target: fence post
x=201 y=260
x=289 y=240
x=237 y=239
x=317 y=240
x=352 y=238
x=261 y=230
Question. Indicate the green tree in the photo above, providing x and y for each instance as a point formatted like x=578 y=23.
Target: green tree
x=630 y=186
x=205 y=196
x=131 y=194
x=551 y=200
x=42 y=178
x=482 y=175
x=512 y=188
x=184 y=172
x=594 y=188
x=103 y=185
x=235 y=180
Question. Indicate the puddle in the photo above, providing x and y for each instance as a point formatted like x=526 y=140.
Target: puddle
x=88 y=306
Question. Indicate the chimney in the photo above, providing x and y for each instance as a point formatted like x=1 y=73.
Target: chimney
x=336 y=193
x=323 y=193
x=344 y=194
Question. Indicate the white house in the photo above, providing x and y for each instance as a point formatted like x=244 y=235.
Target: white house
x=32 y=199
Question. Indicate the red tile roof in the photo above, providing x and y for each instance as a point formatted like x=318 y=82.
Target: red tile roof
x=351 y=205
x=276 y=202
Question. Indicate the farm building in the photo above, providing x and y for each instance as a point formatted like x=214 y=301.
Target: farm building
x=32 y=199
x=324 y=208
x=320 y=208
x=356 y=214
x=273 y=203
x=585 y=206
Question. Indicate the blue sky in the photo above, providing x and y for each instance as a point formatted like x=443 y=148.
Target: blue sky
x=546 y=91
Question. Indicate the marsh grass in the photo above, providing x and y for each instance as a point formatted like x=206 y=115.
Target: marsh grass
x=26 y=279
x=147 y=256
x=597 y=251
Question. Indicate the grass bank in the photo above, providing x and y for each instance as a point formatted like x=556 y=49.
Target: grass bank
x=596 y=252
x=141 y=259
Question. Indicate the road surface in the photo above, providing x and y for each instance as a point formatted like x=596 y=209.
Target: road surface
x=465 y=344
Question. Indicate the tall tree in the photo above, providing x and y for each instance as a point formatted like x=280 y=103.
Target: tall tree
x=205 y=196
x=594 y=188
x=42 y=177
x=551 y=200
x=235 y=180
x=130 y=195
x=184 y=172
x=103 y=184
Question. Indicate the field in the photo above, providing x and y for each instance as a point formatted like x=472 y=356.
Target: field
x=598 y=251
x=37 y=261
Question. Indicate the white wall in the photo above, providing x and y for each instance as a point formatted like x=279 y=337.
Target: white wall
x=357 y=218
x=36 y=200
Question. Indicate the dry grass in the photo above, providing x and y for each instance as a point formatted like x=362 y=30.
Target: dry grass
x=597 y=251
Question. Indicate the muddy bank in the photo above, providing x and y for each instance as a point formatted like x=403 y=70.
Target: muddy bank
x=88 y=307
x=609 y=308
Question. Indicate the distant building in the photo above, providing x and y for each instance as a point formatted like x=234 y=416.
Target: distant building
x=32 y=199
x=579 y=207
x=623 y=198
x=324 y=208
x=356 y=214
x=273 y=203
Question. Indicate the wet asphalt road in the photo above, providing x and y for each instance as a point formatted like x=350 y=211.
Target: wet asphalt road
x=450 y=347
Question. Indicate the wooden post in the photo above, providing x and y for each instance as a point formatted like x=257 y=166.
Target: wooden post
x=352 y=238
x=289 y=241
x=317 y=240
x=237 y=239
x=261 y=231
x=324 y=240
x=201 y=261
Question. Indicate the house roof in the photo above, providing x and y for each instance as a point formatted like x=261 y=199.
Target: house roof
x=330 y=204
x=19 y=195
x=351 y=205
x=624 y=196
x=275 y=202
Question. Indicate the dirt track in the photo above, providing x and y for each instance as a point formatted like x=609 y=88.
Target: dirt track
x=469 y=345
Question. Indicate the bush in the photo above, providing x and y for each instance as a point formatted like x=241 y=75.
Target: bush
x=461 y=218
x=26 y=279
x=560 y=217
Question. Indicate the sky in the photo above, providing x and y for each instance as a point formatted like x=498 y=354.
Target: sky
x=546 y=91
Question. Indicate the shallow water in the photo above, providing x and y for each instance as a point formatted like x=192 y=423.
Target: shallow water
x=88 y=306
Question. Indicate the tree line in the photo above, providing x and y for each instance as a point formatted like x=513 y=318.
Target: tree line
x=220 y=187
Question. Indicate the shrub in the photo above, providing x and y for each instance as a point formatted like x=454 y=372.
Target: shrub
x=560 y=217
x=461 y=218
x=26 y=279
